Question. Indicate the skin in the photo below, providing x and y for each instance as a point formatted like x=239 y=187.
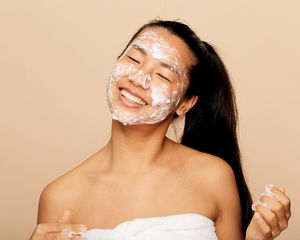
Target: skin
x=123 y=180
x=147 y=63
x=272 y=218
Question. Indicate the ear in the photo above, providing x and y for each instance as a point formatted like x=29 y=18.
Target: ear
x=186 y=105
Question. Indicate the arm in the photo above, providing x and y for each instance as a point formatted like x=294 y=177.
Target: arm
x=272 y=214
x=228 y=221
x=50 y=204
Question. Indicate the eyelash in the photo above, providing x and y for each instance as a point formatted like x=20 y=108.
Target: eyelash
x=133 y=59
x=136 y=61
x=163 y=77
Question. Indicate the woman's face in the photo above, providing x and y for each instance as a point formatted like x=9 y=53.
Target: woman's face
x=149 y=79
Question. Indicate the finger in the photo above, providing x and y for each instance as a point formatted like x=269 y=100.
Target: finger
x=59 y=228
x=281 y=197
x=270 y=218
x=73 y=235
x=277 y=208
x=66 y=217
x=60 y=236
x=270 y=186
x=49 y=236
x=281 y=189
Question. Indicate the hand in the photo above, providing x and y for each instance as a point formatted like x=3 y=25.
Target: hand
x=272 y=213
x=63 y=230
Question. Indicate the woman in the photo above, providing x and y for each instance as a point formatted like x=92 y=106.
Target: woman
x=142 y=185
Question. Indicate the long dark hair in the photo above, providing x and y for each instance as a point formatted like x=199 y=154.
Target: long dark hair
x=210 y=125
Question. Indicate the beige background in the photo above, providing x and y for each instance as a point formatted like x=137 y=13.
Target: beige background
x=55 y=57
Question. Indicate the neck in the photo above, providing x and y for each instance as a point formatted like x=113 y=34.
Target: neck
x=136 y=148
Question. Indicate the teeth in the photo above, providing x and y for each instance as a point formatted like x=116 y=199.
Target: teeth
x=132 y=98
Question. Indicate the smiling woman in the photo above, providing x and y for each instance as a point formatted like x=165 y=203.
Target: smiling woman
x=142 y=185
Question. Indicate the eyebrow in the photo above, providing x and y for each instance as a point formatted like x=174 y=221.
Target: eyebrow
x=163 y=64
x=171 y=68
x=137 y=47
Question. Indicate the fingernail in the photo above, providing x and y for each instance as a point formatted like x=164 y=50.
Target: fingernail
x=83 y=228
x=254 y=205
x=282 y=189
x=269 y=188
x=260 y=203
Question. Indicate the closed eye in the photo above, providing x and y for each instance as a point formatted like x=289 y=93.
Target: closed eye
x=162 y=76
x=133 y=59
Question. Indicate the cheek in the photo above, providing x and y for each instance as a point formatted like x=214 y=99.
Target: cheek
x=121 y=70
x=177 y=92
x=161 y=94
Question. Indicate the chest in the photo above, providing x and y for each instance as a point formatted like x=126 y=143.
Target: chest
x=108 y=204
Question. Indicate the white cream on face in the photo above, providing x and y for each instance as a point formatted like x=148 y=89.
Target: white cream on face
x=141 y=77
x=164 y=95
x=160 y=50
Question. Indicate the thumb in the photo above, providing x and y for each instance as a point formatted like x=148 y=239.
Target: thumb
x=66 y=217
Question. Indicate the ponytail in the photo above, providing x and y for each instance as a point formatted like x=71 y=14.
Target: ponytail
x=210 y=125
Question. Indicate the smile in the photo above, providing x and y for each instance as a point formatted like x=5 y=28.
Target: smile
x=132 y=98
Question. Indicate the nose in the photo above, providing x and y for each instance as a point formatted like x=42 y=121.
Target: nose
x=140 y=78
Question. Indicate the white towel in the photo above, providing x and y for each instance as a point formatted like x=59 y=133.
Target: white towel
x=189 y=226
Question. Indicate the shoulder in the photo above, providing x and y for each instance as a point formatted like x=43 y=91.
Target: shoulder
x=66 y=192
x=62 y=193
x=213 y=174
x=199 y=165
x=54 y=197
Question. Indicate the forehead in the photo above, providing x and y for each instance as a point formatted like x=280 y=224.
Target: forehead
x=158 y=39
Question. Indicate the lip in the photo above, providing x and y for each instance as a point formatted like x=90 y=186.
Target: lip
x=129 y=103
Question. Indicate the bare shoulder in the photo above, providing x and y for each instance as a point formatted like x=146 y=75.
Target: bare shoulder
x=54 y=197
x=59 y=194
x=211 y=174
x=217 y=178
x=199 y=165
